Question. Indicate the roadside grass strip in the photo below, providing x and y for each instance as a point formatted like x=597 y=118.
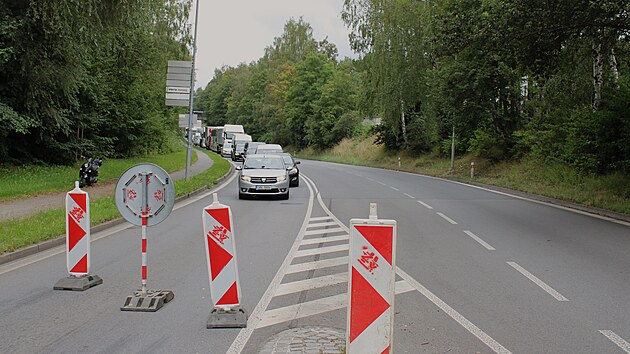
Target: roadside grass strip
x=46 y=225
x=23 y=182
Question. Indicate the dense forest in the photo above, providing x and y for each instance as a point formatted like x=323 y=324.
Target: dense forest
x=87 y=77
x=512 y=78
x=549 y=79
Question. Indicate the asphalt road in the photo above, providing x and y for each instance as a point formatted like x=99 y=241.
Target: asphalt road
x=478 y=271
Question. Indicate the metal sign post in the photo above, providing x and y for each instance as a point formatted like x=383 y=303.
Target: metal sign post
x=179 y=93
x=145 y=195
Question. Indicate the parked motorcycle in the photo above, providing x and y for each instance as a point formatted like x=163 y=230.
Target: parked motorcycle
x=88 y=174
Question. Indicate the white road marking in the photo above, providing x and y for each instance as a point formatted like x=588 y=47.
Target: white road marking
x=538 y=282
x=322 y=250
x=410 y=196
x=331 y=262
x=394 y=188
x=601 y=217
x=321 y=224
x=381 y=183
x=320 y=218
x=312 y=283
x=447 y=218
x=621 y=343
x=425 y=204
x=482 y=242
x=256 y=316
x=469 y=326
x=314 y=241
x=323 y=231
x=316 y=307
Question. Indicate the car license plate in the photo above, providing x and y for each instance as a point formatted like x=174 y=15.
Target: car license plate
x=263 y=188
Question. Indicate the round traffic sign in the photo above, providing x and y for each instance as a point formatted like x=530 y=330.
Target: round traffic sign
x=145 y=188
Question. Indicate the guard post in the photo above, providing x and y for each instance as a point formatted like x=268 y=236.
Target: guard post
x=145 y=195
x=371 y=285
x=78 y=255
x=225 y=288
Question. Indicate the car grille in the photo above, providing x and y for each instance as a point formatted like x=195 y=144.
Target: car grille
x=269 y=191
x=264 y=180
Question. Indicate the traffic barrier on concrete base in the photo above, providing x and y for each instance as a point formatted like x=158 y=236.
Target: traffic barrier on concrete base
x=78 y=243
x=222 y=267
x=372 y=269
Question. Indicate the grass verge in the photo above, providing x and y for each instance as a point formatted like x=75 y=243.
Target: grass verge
x=18 y=233
x=555 y=180
x=28 y=181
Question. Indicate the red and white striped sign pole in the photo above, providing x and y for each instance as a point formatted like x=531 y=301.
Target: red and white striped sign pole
x=372 y=269
x=78 y=242
x=144 y=252
x=222 y=267
x=145 y=196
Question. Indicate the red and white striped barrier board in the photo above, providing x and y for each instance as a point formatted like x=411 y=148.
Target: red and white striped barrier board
x=78 y=232
x=221 y=255
x=372 y=269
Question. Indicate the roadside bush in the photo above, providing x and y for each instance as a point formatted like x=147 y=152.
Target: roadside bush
x=488 y=144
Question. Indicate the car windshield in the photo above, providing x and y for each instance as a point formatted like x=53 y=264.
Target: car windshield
x=228 y=145
x=267 y=163
x=287 y=159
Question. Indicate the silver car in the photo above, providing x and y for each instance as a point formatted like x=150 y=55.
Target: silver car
x=263 y=175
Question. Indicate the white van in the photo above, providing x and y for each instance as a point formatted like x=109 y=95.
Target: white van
x=269 y=149
x=230 y=129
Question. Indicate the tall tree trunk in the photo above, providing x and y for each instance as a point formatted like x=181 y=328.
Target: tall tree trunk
x=402 y=121
x=614 y=68
x=598 y=75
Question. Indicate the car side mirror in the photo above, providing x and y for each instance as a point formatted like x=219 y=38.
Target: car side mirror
x=238 y=168
x=297 y=162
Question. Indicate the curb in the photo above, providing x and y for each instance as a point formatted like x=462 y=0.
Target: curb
x=61 y=239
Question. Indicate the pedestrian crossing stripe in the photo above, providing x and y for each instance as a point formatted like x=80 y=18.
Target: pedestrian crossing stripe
x=330 y=303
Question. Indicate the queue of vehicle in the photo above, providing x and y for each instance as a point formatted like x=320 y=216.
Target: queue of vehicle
x=267 y=170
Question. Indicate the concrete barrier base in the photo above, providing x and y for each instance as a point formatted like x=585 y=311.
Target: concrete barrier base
x=150 y=301
x=79 y=283
x=234 y=318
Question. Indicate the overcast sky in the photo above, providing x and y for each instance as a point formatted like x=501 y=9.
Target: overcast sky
x=235 y=31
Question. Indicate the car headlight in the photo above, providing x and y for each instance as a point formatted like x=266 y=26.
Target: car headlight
x=281 y=178
x=246 y=178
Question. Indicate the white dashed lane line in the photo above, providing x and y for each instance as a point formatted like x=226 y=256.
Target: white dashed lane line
x=478 y=239
x=620 y=342
x=410 y=196
x=394 y=188
x=425 y=204
x=447 y=218
x=538 y=282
